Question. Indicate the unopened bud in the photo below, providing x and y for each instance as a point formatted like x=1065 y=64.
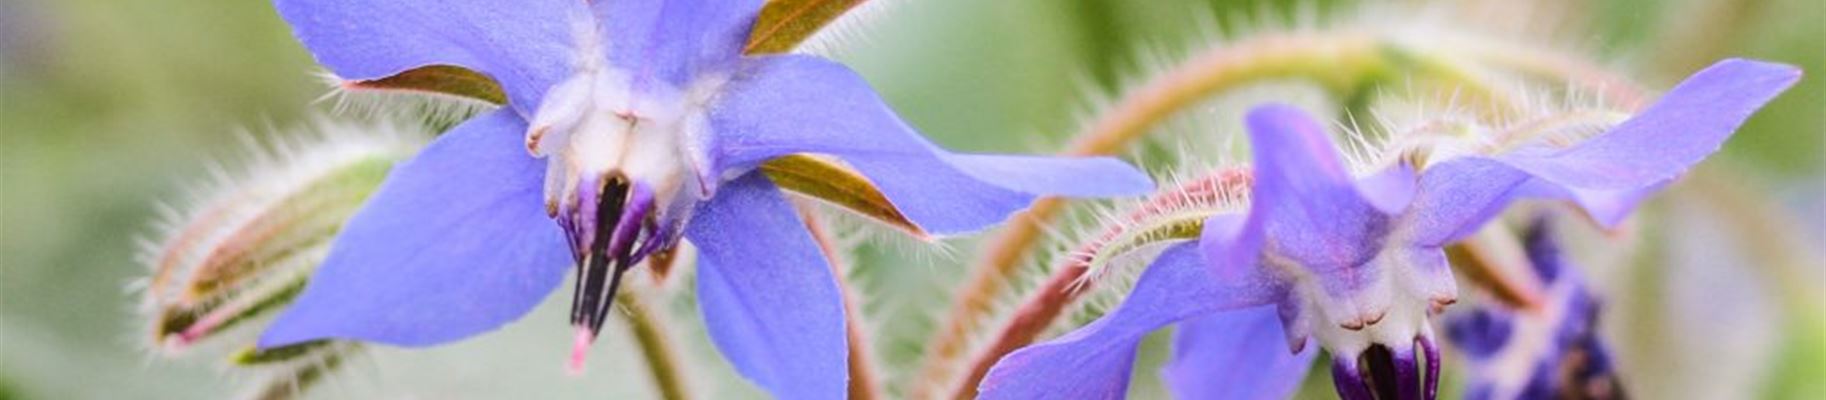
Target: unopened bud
x=249 y=240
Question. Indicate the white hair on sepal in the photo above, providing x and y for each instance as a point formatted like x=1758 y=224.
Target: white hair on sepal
x=431 y=108
x=1420 y=25
x=1120 y=242
x=268 y=170
x=1440 y=126
x=271 y=176
x=850 y=29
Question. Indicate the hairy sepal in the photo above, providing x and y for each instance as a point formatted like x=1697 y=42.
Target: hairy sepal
x=784 y=24
x=839 y=185
x=448 y=80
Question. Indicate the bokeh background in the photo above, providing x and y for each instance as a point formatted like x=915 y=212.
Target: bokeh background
x=110 y=107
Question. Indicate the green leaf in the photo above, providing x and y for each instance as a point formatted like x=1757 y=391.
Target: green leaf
x=783 y=24
x=838 y=185
x=437 y=79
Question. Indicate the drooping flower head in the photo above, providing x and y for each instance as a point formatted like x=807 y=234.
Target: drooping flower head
x=629 y=125
x=1356 y=260
x=1554 y=352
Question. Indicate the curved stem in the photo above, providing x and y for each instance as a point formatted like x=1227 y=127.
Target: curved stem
x=864 y=381
x=1342 y=62
x=1071 y=280
x=1346 y=63
x=1615 y=89
x=1033 y=316
x=650 y=330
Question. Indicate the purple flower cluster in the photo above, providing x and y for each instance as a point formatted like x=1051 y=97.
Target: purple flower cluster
x=630 y=125
x=1557 y=348
x=1357 y=261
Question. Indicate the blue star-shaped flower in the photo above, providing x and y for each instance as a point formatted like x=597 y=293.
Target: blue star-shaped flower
x=630 y=125
x=1552 y=353
x=1358 y=261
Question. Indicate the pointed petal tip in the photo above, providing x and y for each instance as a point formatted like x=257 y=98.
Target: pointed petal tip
x=1288 y=145
x=1781 y=71
x=1278 y=123
x=1125 y=179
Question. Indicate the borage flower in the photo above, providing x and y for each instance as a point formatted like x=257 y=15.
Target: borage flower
x=645 y=124
x=1552 y=353
x=1358 y=261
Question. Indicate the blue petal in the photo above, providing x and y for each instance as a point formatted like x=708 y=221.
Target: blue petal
x=1687 y=124
x=526 y=46
x=1457 y=196
x=767 y=292
x=1610 y=173
x=1606 y=207
x=1094 y=361
x=1481 y=332
x=455 y=242
x=1239 y=354
x=1562 y=348
x=780 y=105
x=674 y=41
x=1308 y=203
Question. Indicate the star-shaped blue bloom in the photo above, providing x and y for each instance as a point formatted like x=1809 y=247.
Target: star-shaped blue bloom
x=1358 y=261
x=1553 y=353
x=630 y=125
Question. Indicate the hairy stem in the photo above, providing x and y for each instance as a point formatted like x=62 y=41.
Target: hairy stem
x=1348 y=63
x=1556 y=66
x=864 y=381
x=650 y=332
x=1342 y=62
x=1071 y=280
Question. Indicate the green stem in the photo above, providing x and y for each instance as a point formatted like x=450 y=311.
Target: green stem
x=650 y=330
x=1342 y=62
x=1350 y=64
x=864 y=380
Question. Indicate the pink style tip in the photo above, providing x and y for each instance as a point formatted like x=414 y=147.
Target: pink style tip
x=580 y=348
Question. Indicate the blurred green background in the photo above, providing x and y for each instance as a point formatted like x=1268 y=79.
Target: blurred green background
x=108 y=108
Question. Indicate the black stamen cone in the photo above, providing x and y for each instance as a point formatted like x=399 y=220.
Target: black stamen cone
x=600 y=268
x=1378 y=366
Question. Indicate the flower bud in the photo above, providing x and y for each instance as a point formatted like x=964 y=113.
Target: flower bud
x=248 y=241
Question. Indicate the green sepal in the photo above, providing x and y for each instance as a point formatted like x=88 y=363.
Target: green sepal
x=784 y=24
x=256 y=356
x=839 y=185
x=448 y=80
x=1167 y=228
x=306 y=219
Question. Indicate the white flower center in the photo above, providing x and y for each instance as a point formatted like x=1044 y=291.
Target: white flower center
x=601 y=123
x=1389 y=307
